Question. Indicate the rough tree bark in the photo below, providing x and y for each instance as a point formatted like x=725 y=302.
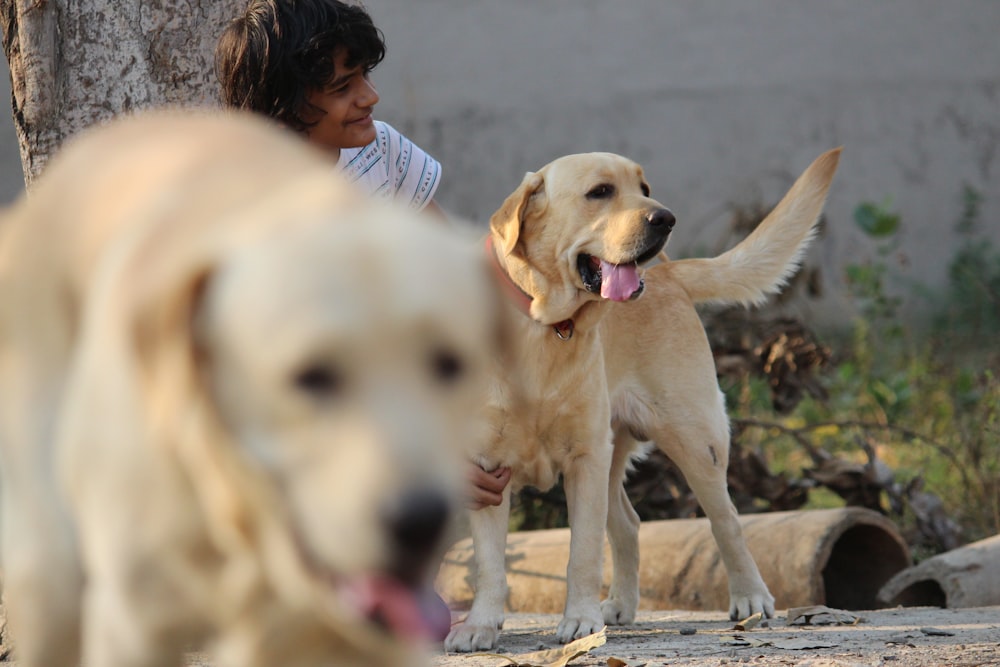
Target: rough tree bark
x=75 y=63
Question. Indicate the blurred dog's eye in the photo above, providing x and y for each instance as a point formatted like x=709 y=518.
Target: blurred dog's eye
x=318 y=381
x=645 y=190
x=446 y=366
x=602 y=191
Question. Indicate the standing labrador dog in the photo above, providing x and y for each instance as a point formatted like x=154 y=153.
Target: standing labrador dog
x=599 y=370
x=235 y=399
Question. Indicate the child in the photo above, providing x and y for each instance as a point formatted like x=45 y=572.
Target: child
x=306 y=63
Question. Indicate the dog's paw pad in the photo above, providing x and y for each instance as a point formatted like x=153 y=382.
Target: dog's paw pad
x=576 y=628
x=616 y=612
x=747 y=605
x=467 y=638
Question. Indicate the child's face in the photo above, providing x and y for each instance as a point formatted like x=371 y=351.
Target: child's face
x=346 y=105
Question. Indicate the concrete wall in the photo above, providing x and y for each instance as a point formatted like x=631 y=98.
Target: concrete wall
x=11 y=176
x=723 y=102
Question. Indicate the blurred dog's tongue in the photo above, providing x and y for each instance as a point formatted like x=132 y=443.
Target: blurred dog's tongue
x=406 y=613
x=618 y=281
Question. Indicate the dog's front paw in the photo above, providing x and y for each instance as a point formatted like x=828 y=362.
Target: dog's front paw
x=578 y=625
x=617 y=612
x=467 y=637
x=742 y=606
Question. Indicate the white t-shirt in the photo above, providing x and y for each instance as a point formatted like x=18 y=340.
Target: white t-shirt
x=392 y=167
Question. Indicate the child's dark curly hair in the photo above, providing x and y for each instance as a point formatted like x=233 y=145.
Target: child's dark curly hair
x=271 y=57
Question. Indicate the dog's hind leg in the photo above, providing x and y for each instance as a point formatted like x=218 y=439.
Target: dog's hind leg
x=699 y=445
x=623 y=535
x=481 y=629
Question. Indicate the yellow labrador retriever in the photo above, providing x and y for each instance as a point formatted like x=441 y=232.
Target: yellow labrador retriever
x=600 y=370
x=234 y=398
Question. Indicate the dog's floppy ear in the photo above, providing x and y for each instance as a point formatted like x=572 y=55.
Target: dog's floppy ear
x=182 y=414
x=507 y=223
x=135 y=382
x=183 y=421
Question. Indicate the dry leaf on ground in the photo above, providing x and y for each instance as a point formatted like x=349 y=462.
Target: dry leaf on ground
x=821 y=615
x=554 y=657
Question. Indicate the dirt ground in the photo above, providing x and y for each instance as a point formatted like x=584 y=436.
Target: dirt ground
x=901 y=637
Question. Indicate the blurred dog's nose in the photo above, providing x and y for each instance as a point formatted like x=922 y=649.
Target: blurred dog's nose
x=417 y=522
x=661 y=218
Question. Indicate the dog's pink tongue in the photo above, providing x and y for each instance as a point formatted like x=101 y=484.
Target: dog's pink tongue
x=618 y=281
x=414 y=615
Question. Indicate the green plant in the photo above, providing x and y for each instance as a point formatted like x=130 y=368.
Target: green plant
x=970 y=308
x=868 y=280
x=906 y=413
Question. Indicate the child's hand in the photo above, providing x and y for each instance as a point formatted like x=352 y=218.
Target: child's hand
x=487 y=487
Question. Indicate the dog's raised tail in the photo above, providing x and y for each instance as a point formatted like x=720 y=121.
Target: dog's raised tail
x=762 y=263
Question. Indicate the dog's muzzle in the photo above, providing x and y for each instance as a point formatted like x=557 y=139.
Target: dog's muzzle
x=621 y=281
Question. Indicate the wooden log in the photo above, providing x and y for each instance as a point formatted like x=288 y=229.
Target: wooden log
x=965 y=577
x=837 y=557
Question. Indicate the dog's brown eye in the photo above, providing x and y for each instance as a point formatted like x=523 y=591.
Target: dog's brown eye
x=645 y=190
x=318 y=381
x=602 y=191
x=446 y=366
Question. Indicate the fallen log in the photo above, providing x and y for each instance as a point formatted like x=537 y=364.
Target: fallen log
x=835 y=557
x=965 y=577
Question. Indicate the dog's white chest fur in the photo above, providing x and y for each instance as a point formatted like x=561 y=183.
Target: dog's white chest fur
x=553 y=405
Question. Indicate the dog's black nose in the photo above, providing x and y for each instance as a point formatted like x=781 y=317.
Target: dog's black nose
x=416 y=523
x=661 y=217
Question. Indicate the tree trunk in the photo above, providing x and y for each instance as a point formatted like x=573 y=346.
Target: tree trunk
x=74 y=64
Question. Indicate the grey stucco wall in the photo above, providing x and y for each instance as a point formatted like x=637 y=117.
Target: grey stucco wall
x=11 y=176
x=723 y=102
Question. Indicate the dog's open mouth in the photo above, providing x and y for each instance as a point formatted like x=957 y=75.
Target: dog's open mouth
x=617 y=282
x=398 y=600
x=409 y=612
